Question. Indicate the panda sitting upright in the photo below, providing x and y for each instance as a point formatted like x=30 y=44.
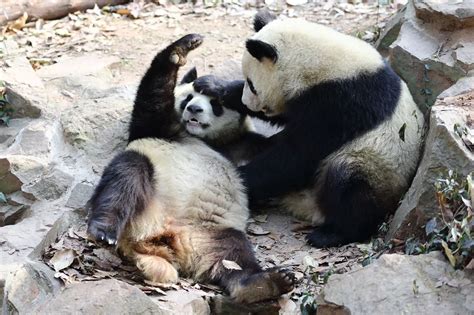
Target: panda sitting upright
x=171 y=202
x=352 y=133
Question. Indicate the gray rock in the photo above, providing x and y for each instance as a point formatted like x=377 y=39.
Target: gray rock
x=9 y=182
x=80 y=194
x=184 y=302
x=25 y=90
x=449 y=15
x=101 y=297
x=462 y=86
x=50 y=186
x=401 y=284
x=87 y=77
x=34 y=140
x=8 y=135
x=29 y=287
x=66 y=221
x=427 y=56
x=11 y=214
x=98 y=128
x=5 y=272
x=444 y=150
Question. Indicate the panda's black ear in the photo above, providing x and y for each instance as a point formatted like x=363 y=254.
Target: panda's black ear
x=262 y=18
x=190 y=76
x=261 y=50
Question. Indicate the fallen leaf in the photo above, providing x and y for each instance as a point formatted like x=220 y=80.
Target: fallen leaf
x=231 y=265
x=448 y=253
x=470 y=265
x=19 y=23
x=62 y=259
x=257 y=230
x=261 y=218
x=309 y=261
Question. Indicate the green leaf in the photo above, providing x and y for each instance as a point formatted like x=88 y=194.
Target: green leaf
x=401 y=132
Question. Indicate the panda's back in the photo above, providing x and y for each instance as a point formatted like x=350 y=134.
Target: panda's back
x=193 y=183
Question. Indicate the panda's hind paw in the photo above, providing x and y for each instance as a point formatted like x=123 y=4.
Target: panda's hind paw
x=266 y=285
x=323 y=238
x=101 y=233
x=283 y=278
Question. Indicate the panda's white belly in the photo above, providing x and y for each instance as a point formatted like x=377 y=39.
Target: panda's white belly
x=194 y=185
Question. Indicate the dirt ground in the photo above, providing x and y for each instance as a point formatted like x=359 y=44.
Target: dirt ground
x=278 y=239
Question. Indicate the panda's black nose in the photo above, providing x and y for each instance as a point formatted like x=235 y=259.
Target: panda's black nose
x=194 y=109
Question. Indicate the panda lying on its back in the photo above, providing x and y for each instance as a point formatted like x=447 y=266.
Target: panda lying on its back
x=172 y=203
x=352 y=132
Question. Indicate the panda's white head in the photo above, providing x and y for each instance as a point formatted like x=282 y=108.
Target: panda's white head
x=286 y=57
x=205 y=117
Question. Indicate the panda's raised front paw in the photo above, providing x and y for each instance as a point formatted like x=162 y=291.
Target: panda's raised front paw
x=210 y=85
x=103 y=233
x=181 y=48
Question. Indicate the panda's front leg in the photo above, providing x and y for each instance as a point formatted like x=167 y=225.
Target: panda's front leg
x=125 y=189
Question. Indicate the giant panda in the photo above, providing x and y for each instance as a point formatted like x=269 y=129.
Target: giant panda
x=172 y=203
x=352 y=132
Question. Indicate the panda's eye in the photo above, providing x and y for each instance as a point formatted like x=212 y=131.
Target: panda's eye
x=185 y=101
x=252 y=88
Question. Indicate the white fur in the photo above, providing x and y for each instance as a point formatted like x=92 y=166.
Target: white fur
x=227 y=123
x=308 y=54
x=195 y=185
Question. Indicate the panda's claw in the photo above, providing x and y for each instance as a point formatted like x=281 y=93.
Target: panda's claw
x=101 y=233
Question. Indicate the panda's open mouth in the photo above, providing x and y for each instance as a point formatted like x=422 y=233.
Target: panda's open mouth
x=193 y=122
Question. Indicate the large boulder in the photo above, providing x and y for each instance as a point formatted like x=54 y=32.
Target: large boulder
x=431 y=46
x=31 y=285
x=101 y=297
x=24 y=89
x=448 y=15
x=401 y=284
x=444 y=150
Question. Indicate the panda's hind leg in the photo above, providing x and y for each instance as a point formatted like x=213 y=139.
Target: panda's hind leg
x=125 y=188
x=231 y=263
x=354 y=196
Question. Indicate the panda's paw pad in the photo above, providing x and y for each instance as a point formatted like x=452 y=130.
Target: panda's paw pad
x=183 y=46
x=284 y=279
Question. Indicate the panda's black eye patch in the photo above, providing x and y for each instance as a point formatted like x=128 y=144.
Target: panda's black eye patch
x=185 y=101
x=252 y=88
x=217 y=108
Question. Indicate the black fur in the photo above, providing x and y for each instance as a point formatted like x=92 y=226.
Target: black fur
x=349 y=205
x=125 y=188
x=185 y=102
x=262 y=18
x=155 y=95
x=261 y=50
x=190 y=76
x=217 y=108
x=127 y=185
x=317 y=123
x=229 y=93
x=251 y=283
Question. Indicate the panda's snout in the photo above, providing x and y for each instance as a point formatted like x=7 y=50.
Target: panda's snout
x=194 y=109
